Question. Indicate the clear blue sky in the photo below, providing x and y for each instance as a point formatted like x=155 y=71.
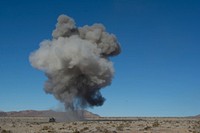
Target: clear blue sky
x=157 y=73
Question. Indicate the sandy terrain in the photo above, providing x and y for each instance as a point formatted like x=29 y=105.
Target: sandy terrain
x=134 y=125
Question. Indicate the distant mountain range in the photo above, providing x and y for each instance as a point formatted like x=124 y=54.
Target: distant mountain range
x=48 y=113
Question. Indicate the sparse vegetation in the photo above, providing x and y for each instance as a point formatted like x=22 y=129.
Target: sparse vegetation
x=49 y=129
x=147 y=128
x=113 y=125
x=69 y=127
x=120 y=127
x=155 y=124
x=97 y=128
x=76 y=131
x=127 y=124
x=74 y=123
x=6 y=131
x=45 y=128
x=84 y=129
x=146 y=125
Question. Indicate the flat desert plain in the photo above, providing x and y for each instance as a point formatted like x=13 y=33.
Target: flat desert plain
x=100 y=125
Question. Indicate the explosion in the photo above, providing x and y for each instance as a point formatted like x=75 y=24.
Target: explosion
x=76 y=63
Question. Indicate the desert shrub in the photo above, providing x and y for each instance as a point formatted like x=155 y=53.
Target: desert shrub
x=69 y=126
x=155 y=124
x=120 y=127
x=105 y=131
x=113 y=125
x=76 y=131
x=49 y=129
x=190 y=130
x=45 y=128
x=141 y=125
x=147 y=128
x=84 y=129
x=84 y=123
x=74 y=123
x=6 y=131
x=127 y=124
x=99 y=129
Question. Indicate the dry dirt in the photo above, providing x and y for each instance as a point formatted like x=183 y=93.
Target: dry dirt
x=135 y=125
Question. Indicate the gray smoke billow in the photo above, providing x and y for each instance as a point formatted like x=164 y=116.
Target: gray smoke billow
x=76 y=62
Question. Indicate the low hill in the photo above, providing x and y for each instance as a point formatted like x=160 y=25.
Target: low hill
x=3 y=114
x=198 y=116
x=49 y=113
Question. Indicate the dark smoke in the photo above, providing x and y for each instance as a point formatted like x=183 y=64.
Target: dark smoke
x=76 y=62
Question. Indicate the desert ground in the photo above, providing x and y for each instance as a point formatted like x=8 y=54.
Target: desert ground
x=100 y=125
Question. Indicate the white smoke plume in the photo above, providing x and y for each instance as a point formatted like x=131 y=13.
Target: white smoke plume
x=76 y=62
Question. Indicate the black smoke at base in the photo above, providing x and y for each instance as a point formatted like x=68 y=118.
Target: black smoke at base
x=76 y=63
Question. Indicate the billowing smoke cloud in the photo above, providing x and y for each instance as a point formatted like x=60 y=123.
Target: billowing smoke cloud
x=76 y=62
